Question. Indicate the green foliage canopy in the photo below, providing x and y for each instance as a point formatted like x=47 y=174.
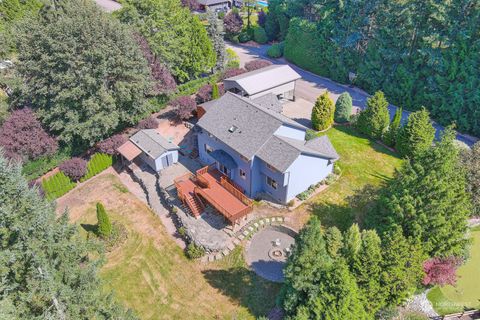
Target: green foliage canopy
x=343 y=108
x=104 y=226
x=374 y=120
x=417 y=135
x=83 y=71
x=322 y=113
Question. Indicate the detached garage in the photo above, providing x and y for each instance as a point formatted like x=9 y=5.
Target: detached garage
x=151 y=148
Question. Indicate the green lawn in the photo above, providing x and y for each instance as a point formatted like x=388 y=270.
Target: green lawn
x=466 y=293
x=363 y=163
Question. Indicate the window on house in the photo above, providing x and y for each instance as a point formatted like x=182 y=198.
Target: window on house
x=208 y=149
x=271 y=167
x=223 y=169
x=243 y=174
x=272 y=183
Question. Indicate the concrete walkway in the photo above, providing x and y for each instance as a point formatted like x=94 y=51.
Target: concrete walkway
x=312 y=85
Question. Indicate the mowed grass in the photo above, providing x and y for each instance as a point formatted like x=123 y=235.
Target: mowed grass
x=466 y=293
x=149 y=272
x=363 y=162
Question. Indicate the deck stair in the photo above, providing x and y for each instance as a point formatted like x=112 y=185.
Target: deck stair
x=195 y=204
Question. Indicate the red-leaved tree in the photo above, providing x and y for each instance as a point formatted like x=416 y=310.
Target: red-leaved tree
x=163 y=79
x=22 y=136
x=183 y=107
x=262 y=18
x=232 y=73
x=110 y=145
x=204 y=94
x=233 y=23
x=74 y=168
x=257 y=64
x=441 y=271
x=148 y=123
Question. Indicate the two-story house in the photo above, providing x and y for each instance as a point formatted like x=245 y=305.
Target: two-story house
x=261 y=150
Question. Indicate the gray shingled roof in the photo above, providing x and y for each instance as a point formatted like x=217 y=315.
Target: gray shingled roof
x=249 y=130
x=252 y=125
x=265 y=78
x=212 y=2
x=281 y=152
x=269 y=101
x=152 y=143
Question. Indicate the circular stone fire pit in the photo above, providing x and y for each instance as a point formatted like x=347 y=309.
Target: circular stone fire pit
x=268 y=251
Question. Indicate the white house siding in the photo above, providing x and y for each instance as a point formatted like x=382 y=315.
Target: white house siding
x=290 y=132
x=305 y=171
x=282 y=89
x=158 y=162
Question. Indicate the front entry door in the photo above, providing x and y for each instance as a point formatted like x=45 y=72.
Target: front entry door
x=223 y=169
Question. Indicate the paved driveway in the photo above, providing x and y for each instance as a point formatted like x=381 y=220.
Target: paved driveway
x=311 y=86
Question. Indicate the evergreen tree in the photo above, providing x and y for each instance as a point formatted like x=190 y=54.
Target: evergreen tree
x=352 y=243
x=48 y=270
x=82 y=89
x=343 y=108
x=216 y=34
x=402 y=267
x=104 y=226
x=215 y=93
x=470 y=160
x=322 y=113
x=428 y=198
x=374 y=120
x=391 y=136
x=417 y=135
x=367 y=269
x=334 y=241
x=316 y=286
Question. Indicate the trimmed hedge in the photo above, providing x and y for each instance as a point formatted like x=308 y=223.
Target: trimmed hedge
x=98 y=163
x=57 y=185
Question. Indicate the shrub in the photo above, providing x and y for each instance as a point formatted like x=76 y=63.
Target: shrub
x=276 y=50
x=104 y=226
x=36 y=168
x=221 y=15
x=336 y=169
x=204 y=94
x=259 y=35
x=390 y=137
x=441 y=271
x=193 y=86
x=291 y=203
x=343 y=108
x=262 y=18
x=22 y=136
x=110 y=145
x=74 y=168
x=96 y=164
x=57 y=185
x=307 y=193
x=215 y=92
x=311 y=134
x=257 y=64
x=194 y=252
x=182 y=232
x=244 y=37
x=374 y=120
x=322 y=113
x=233 y=61
x=232 y=73
x=183 y=107
x=148 y=123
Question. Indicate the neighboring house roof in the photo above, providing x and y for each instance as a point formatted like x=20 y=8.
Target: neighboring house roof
x=152 y=143
x=266 y=78
x=242 y=124
x=212 y=2
x=269 y=101
x=281 y=152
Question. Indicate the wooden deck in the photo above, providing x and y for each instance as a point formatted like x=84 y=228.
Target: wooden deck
x=210 y=186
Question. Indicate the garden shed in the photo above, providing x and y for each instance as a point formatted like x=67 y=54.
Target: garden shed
x=152 y=148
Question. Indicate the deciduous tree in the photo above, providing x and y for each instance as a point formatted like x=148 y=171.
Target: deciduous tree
x=441 y=271
x=22 y=136
x=74 y=168
x=233 y=23
x=82 y=90
x=110 y=145
x=183 y=107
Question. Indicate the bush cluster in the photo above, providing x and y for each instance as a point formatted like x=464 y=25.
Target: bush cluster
x=259 y=35
x=257 y=64
x=57 y=185
x=98 y=163
x=194 y=252
x=276 y=50
x=74 y=168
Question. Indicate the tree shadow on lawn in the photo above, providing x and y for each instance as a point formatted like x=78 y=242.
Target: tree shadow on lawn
x=89 y=227
x=245 y=287
x=355 y=209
